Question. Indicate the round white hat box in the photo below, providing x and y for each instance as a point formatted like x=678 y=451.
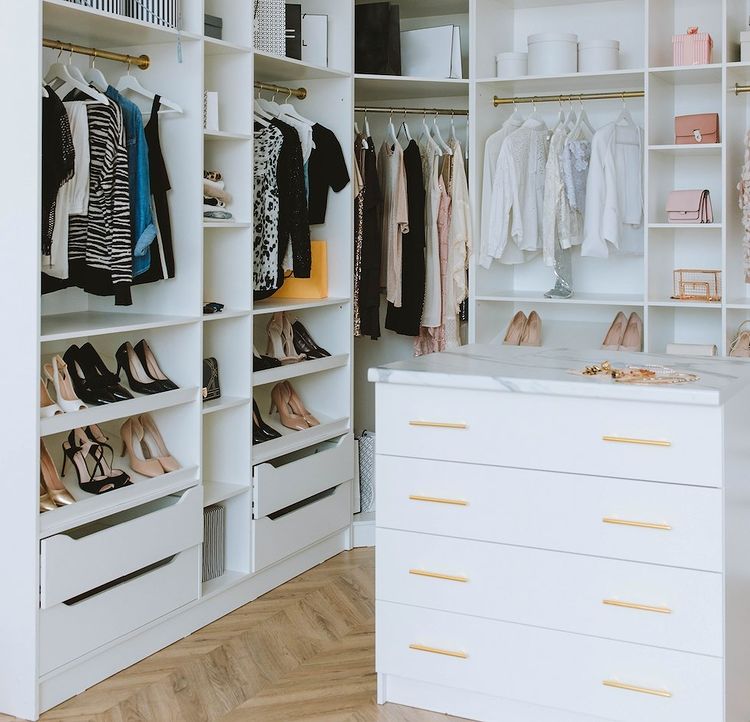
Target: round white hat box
x=512 y=65
x=598 y=56
x=553 y=53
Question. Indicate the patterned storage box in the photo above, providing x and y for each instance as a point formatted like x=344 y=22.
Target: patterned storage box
x=213 y=542
x=108 y=6
x=269 y=34
x=692 y=48
x=157 y=12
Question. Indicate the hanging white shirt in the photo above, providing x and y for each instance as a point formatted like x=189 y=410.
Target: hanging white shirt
x=614 y=193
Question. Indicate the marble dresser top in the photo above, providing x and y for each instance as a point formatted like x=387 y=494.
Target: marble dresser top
x=534 y=370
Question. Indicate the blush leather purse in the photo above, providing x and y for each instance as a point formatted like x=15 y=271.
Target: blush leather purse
x=690 y=207
x=694 y=129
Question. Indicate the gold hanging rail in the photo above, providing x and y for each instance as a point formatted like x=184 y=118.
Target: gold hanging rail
x=140 y=61
x=568 y=97
x=300 y=93
x=741 y=89
x=394 y=110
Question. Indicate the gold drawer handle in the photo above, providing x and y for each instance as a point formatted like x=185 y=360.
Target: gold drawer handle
x=438 y=500
x=433 y=650
x=632 y=605
x=633 y=688
x=438 y=425
x=640 y=524
x=640 y=442
x=437 y=575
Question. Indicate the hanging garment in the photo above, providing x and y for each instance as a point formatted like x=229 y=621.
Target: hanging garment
x=518 y=191
x=369 y=291
x=395 y=217
x=58 y=160
x=326 y=169
x=73 y=196
x=267 y=144
x=491 y=153
x=144 y=230
x=434 y=189
x=614 y=193
x=406 y=320
x=744 y=201
x=359 y=218
x=460 y=242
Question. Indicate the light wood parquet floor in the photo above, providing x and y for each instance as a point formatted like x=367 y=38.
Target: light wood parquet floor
x=305 y=651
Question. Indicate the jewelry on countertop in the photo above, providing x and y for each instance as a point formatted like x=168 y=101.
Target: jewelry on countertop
x=638 y=374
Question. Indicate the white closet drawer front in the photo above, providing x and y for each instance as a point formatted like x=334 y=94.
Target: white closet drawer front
x=658 y=442
x=84 y=559
x=277 y=536
x=643 y=603
x=303 y=475
x=68 y=631
x=620 y=518
x=612 y=680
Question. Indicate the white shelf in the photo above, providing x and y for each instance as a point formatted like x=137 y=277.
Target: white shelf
x=292 y=440
x=223 y=403
x=223 y=135
x=227 y=224
x=217 y=491
x=682 y=226
x=225 y=581
x=87 y=26
x=59 y=327
x=304 y=368
x=739 y=303
x=119 y=410
x=675 y=303
x=90 y=507
x=589 y=299
x=225 y=314
x=224 y=47
x=688 y=150
x=379 y=88
x=276 y=305
x=688 y=74
x=273 y=69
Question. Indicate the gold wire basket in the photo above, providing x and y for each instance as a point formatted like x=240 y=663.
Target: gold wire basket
x=695 y=284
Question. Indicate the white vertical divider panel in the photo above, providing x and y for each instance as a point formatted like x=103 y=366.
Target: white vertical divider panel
x=19 y=422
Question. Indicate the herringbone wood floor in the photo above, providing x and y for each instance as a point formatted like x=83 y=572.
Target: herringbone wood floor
x=305 y=651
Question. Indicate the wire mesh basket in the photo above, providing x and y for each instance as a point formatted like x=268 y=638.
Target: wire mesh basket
x=695 y=284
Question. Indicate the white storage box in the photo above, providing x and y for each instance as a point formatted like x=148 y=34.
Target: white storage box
x=745 y=46
x=598 y=56
x=553 y=53
x=512 y=65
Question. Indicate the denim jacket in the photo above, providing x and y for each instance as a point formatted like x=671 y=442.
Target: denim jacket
x=144 y=229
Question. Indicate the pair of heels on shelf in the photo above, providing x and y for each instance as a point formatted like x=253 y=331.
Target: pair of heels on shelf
x=524 y=331
x=142 y=369
x=147 y=453
x=292 y=411
x=625 y=334
x=261 y=430
x=288 y=342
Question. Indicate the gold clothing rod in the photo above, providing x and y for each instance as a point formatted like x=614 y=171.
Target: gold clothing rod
x=569 y=97
x=741 y=89
x=140 y=61
x=394 y=110
x=300 y=93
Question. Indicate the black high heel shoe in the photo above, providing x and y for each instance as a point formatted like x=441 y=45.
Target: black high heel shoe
x=138 y=380
x=111 y=381
x=103 y=478
x=261 y=430
x=87 y=382
x=304 y=342
x=151 y=367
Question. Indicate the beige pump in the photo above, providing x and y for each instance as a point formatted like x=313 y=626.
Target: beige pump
x=51 y=481
x=139 y=455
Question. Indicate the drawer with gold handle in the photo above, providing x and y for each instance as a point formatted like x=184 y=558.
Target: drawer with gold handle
x=459 y=425
x=633 y=688
x=438 y=500
x=438 y=575
x=634 y=605
x=639 y=524
x=435 y=650
x=636 y=442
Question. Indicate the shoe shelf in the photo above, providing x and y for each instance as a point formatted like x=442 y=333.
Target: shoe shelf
x=676 y=303
x=303 y=368
x=59 y=327
x=215 y=492
x=227 y=224
x=276 y=305
x=223 y=403
x=589 y=299
x=141 y=404
x=292 y=440
x=225 y=314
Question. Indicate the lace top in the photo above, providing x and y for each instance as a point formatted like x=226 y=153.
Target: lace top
x=575 y=167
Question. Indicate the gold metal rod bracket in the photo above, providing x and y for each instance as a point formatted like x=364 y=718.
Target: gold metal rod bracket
x=138 y=61
x=569 y=97
x=300 y=93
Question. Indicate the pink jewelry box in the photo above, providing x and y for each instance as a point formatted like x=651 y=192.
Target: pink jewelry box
x=692 y=48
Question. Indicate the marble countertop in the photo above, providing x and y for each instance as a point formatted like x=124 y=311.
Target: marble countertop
x=531 y=370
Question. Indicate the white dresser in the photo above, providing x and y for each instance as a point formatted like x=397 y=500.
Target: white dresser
x=557 y=548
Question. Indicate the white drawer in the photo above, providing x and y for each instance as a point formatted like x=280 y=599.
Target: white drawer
x=643 y=603
x=276 y=537
x=302 y=475
x=658 y=442
x=68 y=631
x=565 y=512
x=88 y=557
x=549 y=668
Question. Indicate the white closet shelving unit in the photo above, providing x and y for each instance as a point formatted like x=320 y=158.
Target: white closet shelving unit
x=93 y=587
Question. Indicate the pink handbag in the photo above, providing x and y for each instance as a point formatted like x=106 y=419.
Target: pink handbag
x=690 y=207
x=700 y=128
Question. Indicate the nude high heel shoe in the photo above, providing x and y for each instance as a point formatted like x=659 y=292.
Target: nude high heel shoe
x=532 y=334
x=740 y=347
x=633 y=338
x=153 y=439
x=516 y=329
x=51 y=479
x=45 y=502
x=131 y=433
x=280 y=345
x=57 y=373
x=613 y=339
x=298 y=407
x=48 y=408
x=280 y=398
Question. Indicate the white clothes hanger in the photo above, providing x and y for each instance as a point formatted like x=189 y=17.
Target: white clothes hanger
x=390 y=131
x=259 y=113
x=535 y=120
x=271 y=107
x=517 y=115
x=367 y=125
x=560 y=117
x=625 y=118
x=45 y=94
x=365 y=144
x=453 y=136
x=290 y=111
x=405 y=127
x=129 y=83
x=439 y=138
x=60 y=78
x=95 y=77
x=582 y=124
x=428 y=136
